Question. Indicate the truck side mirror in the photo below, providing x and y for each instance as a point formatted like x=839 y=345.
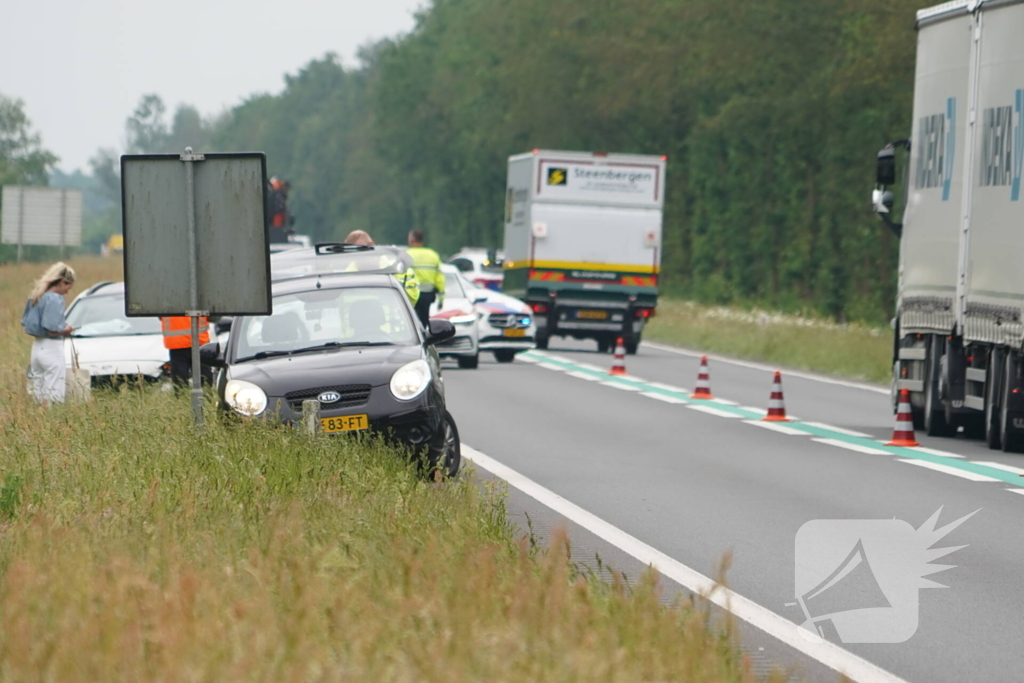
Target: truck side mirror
x=886 y=166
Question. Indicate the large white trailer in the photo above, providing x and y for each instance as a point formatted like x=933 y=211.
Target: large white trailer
x=583 y=242
x=959 y=326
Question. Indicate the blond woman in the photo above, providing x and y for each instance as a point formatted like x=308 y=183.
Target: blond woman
x=44 y=320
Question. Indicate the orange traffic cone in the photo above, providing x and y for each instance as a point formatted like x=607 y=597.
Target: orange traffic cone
x=619 y=364
x=776 y=404
x=703 y=389
x=903 y=434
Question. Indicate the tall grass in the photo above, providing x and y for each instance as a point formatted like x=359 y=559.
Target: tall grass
x=134 y=548
x=851 y=350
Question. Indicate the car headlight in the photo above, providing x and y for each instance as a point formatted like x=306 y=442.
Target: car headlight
x=410 y=380
x=463 y=319
x=245 y=397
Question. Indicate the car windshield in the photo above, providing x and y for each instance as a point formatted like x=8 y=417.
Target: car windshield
x=453 y=286
x=103 y=316
x=325 y=318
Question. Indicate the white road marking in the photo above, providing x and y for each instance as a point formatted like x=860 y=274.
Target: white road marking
x=963 y=474
x=778 y=427
x=827 y=653
x=725 y=402
x=711 y=410
x=525 y=357
x=852 y=446
x=1020 y=491
x=932 y=451
x=551 y=366
x=664 y=397
x=840 y=430
x=668 y=387
x=560 y=359
x=584 y=375
x=758 y=366
x=759 y=411
x=620 y=385
x=588 y=366
x=1001 y=466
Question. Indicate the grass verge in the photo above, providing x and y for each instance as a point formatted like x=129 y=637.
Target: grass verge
x=848 y=350
x=134 y=548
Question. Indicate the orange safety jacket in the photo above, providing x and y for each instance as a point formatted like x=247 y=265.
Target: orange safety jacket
x=178 y=332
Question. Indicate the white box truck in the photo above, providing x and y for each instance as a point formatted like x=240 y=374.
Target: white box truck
x=959 y=332
x=583 y=242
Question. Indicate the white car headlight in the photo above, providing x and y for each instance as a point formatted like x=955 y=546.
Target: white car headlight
x=410 y=380
x=245 y=397
x=463 y=319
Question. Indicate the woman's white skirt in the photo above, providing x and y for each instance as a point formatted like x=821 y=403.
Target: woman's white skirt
x=46 y=370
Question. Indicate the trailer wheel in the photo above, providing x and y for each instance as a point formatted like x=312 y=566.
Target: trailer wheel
x=993 y=394
x=935 y=422
x=632 y=344
x=1010 y=437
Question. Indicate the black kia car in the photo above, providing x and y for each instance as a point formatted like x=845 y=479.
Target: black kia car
x=344 y=333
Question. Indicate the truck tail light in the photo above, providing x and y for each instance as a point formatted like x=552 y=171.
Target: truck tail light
x=539 y=308
x=644 y=312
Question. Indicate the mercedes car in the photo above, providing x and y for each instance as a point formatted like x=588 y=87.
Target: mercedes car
x=342 y=333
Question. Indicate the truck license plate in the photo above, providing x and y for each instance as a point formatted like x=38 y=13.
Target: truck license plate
x=592 y=315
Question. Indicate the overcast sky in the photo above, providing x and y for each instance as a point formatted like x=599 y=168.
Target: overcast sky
x=81 y=65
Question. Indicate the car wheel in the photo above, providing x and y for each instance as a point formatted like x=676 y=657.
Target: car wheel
x=449 y=459
x=504 y=355
x=542 y=342
x=469 y=362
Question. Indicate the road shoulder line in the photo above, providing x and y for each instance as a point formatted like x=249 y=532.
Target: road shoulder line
x=780 y=628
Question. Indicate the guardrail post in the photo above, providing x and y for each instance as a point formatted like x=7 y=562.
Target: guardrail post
x=311 y=417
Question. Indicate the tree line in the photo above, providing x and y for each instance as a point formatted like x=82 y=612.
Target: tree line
x=770 y=113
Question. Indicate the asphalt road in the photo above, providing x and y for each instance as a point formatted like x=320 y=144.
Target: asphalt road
x=695 y=485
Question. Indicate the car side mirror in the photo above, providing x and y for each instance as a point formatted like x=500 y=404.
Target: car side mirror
x=885 y=169
x=439 y=331
x=223 y=325
x=209 y=354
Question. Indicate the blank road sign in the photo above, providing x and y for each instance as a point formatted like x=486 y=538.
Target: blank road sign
x=231 y=234
x=46 y=216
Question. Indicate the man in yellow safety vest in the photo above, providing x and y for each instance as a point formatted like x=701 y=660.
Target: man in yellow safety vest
x=427 y=265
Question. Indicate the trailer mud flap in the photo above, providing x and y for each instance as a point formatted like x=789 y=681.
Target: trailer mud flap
x=954 y=373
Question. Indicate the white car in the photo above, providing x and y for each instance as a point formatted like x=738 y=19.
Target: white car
x=476 y=265
x=110 y=345
x=459 y=309
x=487 y=320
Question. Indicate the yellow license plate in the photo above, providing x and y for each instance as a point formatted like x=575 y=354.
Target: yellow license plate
x=513 y=332
x=345 y=423
x=592 y=315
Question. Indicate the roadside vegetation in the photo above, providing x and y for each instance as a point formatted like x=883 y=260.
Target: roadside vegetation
x=851 y=350
x=132 y=548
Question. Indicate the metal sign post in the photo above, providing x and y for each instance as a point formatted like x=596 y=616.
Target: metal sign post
x=193 y=283
x=195 y=241
x=21 y=220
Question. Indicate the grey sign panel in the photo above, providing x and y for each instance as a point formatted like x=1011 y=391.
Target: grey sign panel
x=233 y=259
x=41 y=215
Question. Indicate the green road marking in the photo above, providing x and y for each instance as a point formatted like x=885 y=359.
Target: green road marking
x=909 y=453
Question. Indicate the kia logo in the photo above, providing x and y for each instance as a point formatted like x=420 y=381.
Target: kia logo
x=329 y=397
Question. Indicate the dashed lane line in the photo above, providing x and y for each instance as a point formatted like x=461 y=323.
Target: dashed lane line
x=840 y=430
x=665 y=398
x=956 y=472
x=852 y=446
x=621 y=386
x=711 y=410
x=827 y=653
x=777 y=427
